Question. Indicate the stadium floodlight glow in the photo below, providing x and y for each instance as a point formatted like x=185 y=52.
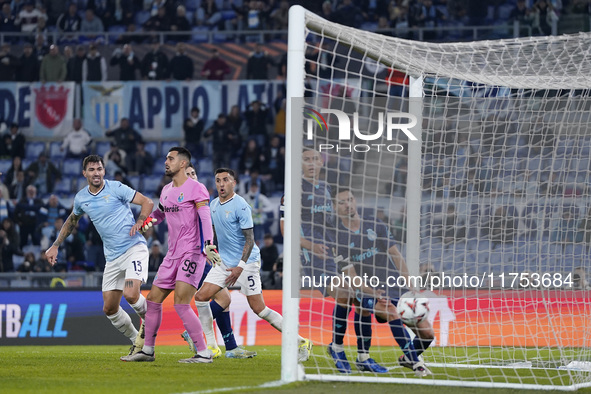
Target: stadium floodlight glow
x=478 y=160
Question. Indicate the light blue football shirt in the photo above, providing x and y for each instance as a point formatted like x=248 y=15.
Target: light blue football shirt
x=229 y=219
x=111 y=215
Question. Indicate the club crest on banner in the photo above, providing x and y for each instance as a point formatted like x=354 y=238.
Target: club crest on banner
x=107 y=107
x=51 y=105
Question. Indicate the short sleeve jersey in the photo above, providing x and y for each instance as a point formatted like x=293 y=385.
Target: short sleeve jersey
x=317 y=210
x=178 y=205
x=111 y=214
x=368 y=248
x=229 y=219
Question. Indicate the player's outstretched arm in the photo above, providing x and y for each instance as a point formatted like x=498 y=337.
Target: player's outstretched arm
x=155 y=217
x=66 y=230
x=147 y=206
x=157 y=214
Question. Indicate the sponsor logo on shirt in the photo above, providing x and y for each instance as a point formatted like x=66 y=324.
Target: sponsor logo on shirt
x=321 y=208
x=365 y=255
x=174 y=208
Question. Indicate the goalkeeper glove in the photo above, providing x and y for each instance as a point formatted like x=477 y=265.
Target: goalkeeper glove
x=149 y=222
x=212 y=253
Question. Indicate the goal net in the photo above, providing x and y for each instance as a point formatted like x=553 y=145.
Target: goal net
x=473 y=160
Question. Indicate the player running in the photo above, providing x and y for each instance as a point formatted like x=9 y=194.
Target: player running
x=107 y=205
x=207 y=311
x=184 y=203
x=370 y=246
x=240 y=256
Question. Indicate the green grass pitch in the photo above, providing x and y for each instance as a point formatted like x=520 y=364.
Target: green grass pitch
x=97 y=369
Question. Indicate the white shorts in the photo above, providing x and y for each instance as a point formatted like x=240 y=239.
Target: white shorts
x=133 y=264
x=249 y=280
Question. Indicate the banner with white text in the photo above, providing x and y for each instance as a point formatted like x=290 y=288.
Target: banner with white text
x=40 y=110
x=157 y=109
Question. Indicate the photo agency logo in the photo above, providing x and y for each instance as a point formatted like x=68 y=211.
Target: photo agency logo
x=389 y=124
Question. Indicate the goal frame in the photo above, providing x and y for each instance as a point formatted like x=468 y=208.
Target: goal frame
x=291 y=371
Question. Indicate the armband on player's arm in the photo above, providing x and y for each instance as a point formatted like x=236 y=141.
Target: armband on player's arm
x=205 y=217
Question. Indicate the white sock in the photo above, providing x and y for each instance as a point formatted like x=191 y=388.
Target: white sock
x=148 y=350
x=140 y=307
x=363 y=357
x=338 y=348
x=276 y=320
x=123 y=323
x=206 y=318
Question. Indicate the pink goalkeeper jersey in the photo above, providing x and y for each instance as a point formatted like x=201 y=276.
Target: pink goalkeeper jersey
x=184 y=228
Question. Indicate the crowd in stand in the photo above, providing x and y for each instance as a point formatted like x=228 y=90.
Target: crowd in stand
x=92 y=17
x=30 y=212
x=77 y=58
x=49 y=64
x=30 y=207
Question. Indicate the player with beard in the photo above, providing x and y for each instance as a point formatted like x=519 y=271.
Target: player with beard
x=184 y=203
x=107 y=204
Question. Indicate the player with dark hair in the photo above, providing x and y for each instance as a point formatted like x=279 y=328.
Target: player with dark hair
x=317 y=241
x=185 y=205
x=107 y=204
x=191 y=173
x=223 y=315
x=370 y=246
x=240 y=256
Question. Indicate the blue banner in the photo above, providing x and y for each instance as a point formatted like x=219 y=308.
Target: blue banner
x=157 y=109
x=57 y=318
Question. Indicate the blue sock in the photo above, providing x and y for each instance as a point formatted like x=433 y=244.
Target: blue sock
x=340 y=315
x=403 y=339
x=363 y=331
x=216 y=309
x=421 y=344
x=225 y=325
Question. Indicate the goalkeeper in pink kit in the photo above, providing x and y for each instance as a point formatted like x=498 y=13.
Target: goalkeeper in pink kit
x=185 y=205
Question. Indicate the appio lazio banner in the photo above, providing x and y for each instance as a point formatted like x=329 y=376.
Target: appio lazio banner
x=158 y=108
x=41 y=110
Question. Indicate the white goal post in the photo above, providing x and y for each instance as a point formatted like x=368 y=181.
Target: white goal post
x=475 y=157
